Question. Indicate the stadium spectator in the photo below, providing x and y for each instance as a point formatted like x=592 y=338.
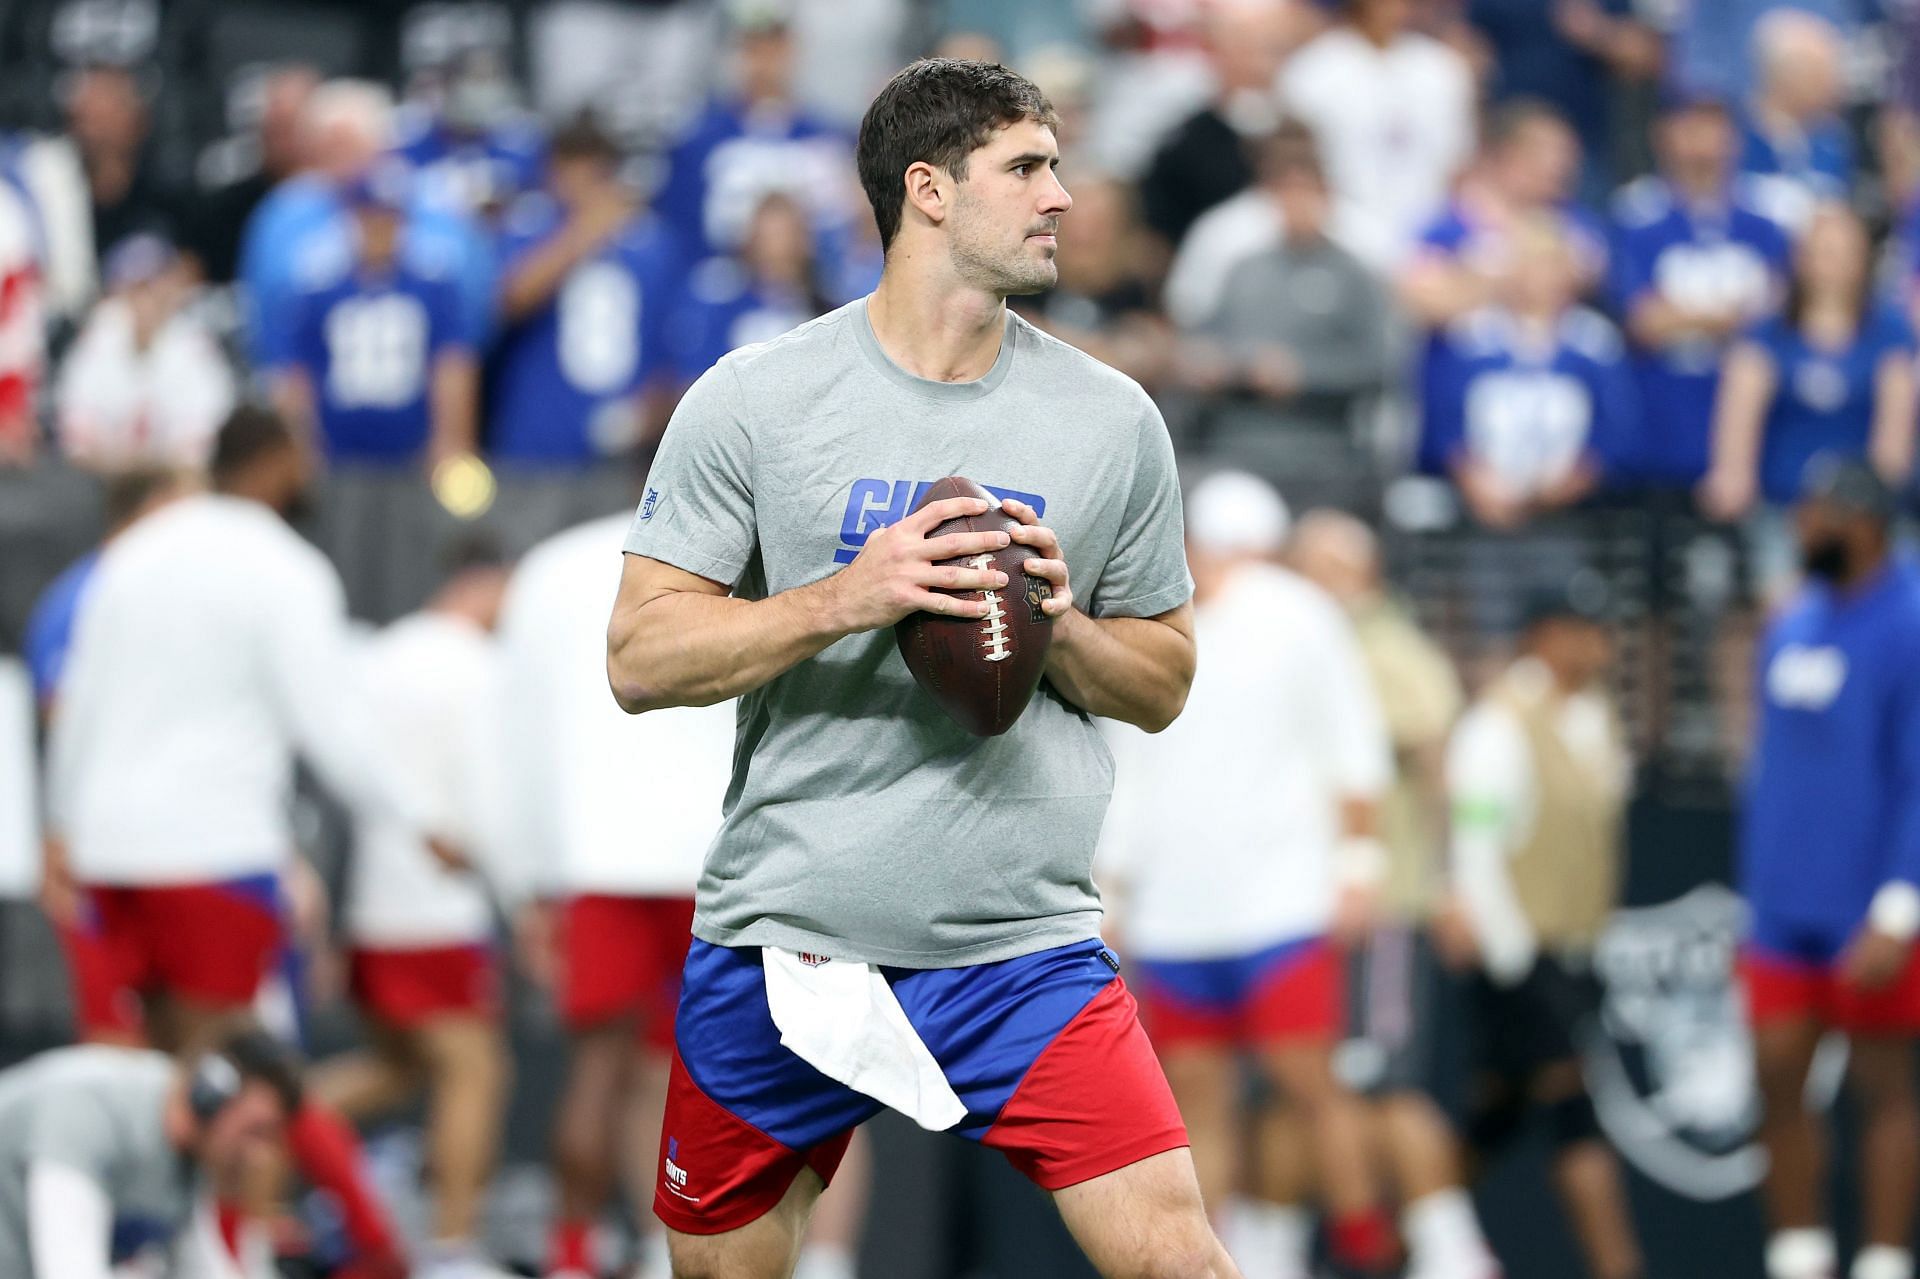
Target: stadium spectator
x=1393 y=110
x=1830 y=860
x=381 y=369
x=754 y=295
x=424 y=976
x=471 y=151
x=754 y=141
x=1538 y=773
x=1693 y=265
x=1399 y=999
x=129 y=495
x=1249 y=858
x=586 y=289
x=108 y=124
x=23 y=337
x=145 y=383
x=166 y=797
x=304 y=229
x=1208 y=157
x=1572 y=54
x=213 y=222
x=612 y=909
x=1300 y=340
x=1526 y=171
x=109 y=1152
x=1797 y=150
x=1530 y=403
x=1832 y=373
x=1102 y=302
x=1712 y=47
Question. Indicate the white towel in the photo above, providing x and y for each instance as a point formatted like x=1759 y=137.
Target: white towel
x=842 y=1019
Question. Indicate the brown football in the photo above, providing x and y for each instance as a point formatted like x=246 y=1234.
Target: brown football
x=982 y=671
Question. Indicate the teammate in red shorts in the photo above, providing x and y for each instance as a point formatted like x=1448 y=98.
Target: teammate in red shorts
x=423 y=970
x=611 y=819
x=1243 y=836
x=896 y=913
x=1830 y=866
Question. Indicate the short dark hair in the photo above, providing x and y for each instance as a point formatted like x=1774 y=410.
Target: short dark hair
x=250 y=433
x=938 y=110
x=1290 y=150
x=259 y=1058
x=125 y=492
x=1506 y=122
x=582 y=138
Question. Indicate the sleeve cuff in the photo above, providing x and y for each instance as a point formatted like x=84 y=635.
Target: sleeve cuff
x=1896 y=910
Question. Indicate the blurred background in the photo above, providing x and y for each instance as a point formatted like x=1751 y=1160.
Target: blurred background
x=1415 y=260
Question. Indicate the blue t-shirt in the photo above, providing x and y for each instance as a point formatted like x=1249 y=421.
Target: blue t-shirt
x=732 y=158
x=1711 y=48
x=1533 y=60
x=725 y=309
x=1822 y=400
x=302 y=231
x=468 y=172
x=1783 y=176
x=50 y=626
x=368 y=342
x=1529 y=414
x=1831 y=810
x=565 y=378
x=1724 y=258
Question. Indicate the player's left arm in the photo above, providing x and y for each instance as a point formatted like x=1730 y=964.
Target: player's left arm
x=1880 y=949
x=1136 y=669
x=454 y=404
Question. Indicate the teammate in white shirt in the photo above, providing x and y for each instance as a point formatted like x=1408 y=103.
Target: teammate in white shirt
x=615 y=896
x=424 y=972
x=211 y=645
x=1243 y=849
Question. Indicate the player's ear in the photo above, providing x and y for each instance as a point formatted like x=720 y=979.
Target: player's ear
x=928 y=190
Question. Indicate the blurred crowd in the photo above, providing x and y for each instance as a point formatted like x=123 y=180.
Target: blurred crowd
x=1481 y=267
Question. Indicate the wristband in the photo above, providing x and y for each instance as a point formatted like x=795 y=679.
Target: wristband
x=1896 y=911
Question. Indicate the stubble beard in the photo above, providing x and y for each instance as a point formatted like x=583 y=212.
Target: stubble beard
x=986 y=264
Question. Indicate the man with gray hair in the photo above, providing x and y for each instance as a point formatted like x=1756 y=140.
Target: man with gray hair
x=1796 y=150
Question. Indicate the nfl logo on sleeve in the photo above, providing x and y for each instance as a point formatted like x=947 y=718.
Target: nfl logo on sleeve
x=648 y=504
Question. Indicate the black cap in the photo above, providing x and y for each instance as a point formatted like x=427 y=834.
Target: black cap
x=1850 y=485
x=1583 y=597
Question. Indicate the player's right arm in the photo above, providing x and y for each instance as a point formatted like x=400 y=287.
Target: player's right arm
x=679 y=639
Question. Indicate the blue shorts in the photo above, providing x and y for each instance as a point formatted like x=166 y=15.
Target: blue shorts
x=1045 y=1051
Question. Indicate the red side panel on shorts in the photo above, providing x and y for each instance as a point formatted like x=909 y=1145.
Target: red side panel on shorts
x=717 y=1171
x=1095 y=1100
x=1781 y=989
x=1303 y=1000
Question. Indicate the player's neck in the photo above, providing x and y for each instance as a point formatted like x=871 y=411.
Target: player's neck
x=939 y=329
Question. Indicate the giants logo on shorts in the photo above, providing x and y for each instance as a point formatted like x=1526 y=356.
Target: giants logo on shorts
x=676 y=1175
x=874 y=504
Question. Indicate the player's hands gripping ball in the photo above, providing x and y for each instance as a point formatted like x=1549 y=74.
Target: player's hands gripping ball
x=979 y=652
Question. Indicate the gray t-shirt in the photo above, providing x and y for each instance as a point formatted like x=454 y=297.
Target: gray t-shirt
x=98 y=1111
x=862 y=823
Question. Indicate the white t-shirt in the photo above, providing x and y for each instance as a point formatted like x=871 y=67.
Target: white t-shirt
x=119 y=405
x=1224 y=827
x=211 y=645
x=1395 y=126
x=433 y=681
x=604 y=802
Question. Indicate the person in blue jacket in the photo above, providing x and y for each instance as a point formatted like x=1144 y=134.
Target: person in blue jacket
x=1693 y=265
x=1830 y=868
x=585 y=296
